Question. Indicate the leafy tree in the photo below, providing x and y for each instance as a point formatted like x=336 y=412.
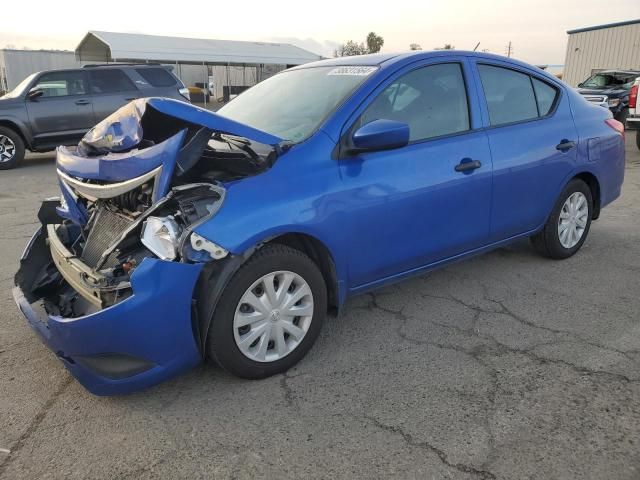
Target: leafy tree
x=415 y=46
x=350 y=49
x=374 y=42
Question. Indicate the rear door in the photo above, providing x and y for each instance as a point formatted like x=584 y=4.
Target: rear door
x=63 y=113
x=533 y=145
x=111 y=88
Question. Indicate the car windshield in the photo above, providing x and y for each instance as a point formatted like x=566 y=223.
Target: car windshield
x=602 y=80
x=19 y=90
x=294 y=103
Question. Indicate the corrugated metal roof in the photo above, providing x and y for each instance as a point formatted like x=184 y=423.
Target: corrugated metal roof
x=606 y=25
x=113 y=46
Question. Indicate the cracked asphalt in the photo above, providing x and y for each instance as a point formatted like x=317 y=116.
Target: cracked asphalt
x=506 y=366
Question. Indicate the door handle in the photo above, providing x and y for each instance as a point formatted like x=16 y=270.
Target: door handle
x=82 y=102
x=467 y=165
x=565 y=145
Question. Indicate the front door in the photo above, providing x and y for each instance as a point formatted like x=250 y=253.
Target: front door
x=419 y=204
x=63 y=112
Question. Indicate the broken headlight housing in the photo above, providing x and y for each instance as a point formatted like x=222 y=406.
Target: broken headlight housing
x=160 y=235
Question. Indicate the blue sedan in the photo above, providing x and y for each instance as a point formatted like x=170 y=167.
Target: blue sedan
x=182 y=234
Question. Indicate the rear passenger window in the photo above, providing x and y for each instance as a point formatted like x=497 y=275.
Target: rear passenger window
x=109 y=80
x=509 y=95
x=545 y=95
x=157 y=77
x=431 y=100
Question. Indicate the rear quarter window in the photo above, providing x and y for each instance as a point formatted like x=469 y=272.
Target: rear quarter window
x=545 y=96
x=157 y=77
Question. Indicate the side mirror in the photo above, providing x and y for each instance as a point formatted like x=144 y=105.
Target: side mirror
x=35 y=93
x=380 y=135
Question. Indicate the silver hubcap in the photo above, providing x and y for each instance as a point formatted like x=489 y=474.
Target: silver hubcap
x=7 y=148
x=573 y=220
x=273 y=316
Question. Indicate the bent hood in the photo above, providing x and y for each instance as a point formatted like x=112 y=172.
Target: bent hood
x=144 y=135
x=147 y=140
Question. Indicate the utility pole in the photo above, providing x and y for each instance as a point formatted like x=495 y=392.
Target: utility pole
x=509 y=49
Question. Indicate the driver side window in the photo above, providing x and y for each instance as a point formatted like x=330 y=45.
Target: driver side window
x=431 y=100
x=61 y=84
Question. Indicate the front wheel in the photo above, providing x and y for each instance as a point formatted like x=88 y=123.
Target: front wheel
x=269 y=315
x=11 y=148
x=568 y=225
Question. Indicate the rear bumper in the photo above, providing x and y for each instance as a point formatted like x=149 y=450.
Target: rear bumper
x=633 y=123
x=138 y=342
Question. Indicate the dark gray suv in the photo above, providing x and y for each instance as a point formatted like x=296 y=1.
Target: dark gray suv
x=57 y=107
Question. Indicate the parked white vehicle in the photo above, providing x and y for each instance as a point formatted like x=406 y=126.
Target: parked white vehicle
x=633 y=118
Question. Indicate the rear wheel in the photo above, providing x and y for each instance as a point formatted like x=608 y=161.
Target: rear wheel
x=568 y=225
x=269 y=315
x=11 y=148
x=638 y=139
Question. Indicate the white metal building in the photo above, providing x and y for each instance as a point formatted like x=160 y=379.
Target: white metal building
x=131 y=47
x=602 y=47
x=226 y=65
x=16 y=65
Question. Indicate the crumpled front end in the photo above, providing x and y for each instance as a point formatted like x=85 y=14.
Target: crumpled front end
x=139 y=340
x=109 y=280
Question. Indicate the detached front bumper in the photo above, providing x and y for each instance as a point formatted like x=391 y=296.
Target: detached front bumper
x=140 y=341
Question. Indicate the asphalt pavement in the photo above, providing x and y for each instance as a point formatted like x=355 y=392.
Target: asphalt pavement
x=504 y=366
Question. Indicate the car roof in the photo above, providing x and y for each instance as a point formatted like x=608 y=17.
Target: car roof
x=121 y=65
x=387 y=59
x=89 y=67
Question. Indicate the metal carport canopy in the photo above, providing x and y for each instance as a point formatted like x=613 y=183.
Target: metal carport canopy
x=99 y=46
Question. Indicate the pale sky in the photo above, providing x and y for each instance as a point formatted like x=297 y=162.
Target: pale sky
x=537 y=29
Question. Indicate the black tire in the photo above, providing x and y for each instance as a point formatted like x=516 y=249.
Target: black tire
x=18 y=154
x=622 y=115
x=221 y=344
x=638 y=139
x=547 y=241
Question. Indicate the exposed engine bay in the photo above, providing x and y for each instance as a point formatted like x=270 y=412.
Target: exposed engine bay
x=135 y=187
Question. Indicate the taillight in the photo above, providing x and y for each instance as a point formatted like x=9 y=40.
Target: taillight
x=616 y=125
x=633 y=96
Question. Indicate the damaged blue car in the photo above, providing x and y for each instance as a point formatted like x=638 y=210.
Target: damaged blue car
x=182 y=234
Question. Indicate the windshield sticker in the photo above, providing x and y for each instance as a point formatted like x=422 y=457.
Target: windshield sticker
x=355 y=71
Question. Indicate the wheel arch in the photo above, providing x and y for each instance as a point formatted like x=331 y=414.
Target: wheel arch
x=594 y=185
x=321 y=255
x=19 y=129
x=216 y=275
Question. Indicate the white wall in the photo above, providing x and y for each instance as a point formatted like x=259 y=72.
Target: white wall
x=19 y=64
